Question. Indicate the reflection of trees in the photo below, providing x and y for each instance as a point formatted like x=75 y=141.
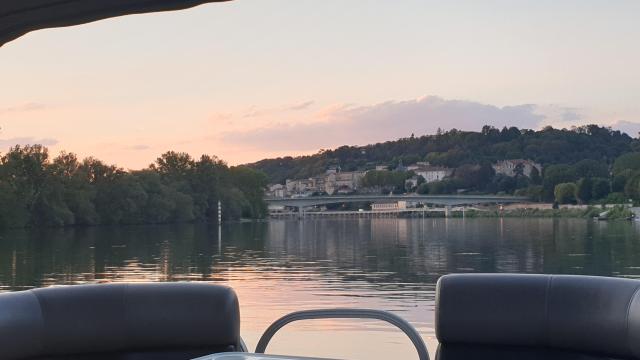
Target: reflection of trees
x=384 y=251
x=419 y=250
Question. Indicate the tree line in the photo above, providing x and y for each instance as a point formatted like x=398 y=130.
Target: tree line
x=584 y=164
x=455 y=148
x=36 y=190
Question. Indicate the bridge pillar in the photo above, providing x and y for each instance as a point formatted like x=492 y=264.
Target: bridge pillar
x=447 y=211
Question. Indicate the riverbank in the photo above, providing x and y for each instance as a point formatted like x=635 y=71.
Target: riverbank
x=615 y=213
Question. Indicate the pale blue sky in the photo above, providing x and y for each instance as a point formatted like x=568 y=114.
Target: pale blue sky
x=255 y=78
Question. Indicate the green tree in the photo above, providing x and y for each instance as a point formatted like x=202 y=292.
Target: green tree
x=78 y=193
x=252 y=184
x=600 y=189
x=632 y=186
x=630 y=161
x=423 y=189
x=533 y=192
x=386 y=180
x=174 y=164
x=24 y=169
x=565 y=193
x=13 y=210
x=473 y=176
x=620 y=180
x=535 y=177
x=554 y=175
x=584 y=190
x=589 y=168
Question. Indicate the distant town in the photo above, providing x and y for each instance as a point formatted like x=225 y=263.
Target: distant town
x=337 y=182
x=383 y=179
x=585 y=168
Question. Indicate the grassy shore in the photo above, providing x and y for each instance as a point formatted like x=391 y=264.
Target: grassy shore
x=615 y=213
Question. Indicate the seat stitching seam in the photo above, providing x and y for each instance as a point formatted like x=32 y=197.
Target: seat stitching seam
x=546 y=326
x=42 y=330
x=125 y=316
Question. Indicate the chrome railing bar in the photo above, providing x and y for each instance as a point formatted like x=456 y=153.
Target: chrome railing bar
x=393 y=319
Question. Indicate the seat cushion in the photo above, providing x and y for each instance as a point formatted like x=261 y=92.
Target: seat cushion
x=169 y=354
x=474 y=352
x=579 y=315
x=118 y=319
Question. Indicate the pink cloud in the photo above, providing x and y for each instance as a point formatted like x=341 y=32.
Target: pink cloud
x=346 y=124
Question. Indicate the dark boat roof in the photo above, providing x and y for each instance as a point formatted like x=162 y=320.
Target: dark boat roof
x=18 y=17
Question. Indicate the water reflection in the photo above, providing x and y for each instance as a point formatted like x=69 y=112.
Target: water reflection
x=282 y=266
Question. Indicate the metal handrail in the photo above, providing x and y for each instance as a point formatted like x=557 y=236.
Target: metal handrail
x=242 y=346
x=393 y=319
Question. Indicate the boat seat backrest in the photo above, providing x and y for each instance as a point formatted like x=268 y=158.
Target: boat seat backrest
x=119 y=321
x=500 y=316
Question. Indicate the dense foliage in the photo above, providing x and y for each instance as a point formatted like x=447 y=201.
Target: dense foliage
x=455 y=148
x=37 y=191
x=593 y=163
x=386 y=181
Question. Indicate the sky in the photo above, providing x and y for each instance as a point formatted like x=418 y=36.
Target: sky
x=251 y=79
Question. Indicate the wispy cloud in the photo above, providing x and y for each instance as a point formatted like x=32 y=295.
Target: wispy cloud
x=258 y=112
x=384 y=121
x=139 y=147
x=5 y=143
x=31 y=106
x=302 y=106
x=571 y=116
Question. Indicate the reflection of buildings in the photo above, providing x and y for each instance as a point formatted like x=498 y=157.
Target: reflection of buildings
x=389 y=251
x=282 y=266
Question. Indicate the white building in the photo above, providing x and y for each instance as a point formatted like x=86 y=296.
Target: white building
x=418 y=165
x=393 y=206
x=343 y=182
x=276 y=191
x=433 y=173
x=319 y=183
x=299 y=186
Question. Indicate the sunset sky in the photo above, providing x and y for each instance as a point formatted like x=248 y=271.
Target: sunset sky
x=251 y=79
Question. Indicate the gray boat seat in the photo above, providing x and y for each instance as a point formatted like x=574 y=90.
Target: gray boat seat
x=499 y=316
x=162 y=321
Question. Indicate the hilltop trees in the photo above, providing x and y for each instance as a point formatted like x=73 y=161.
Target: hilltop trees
x=567 y=156
x=37 y=191
x=455 y=148
x=472 y=176
x=393 y=181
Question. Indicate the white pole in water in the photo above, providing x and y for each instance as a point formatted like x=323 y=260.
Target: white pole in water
x=219 y=212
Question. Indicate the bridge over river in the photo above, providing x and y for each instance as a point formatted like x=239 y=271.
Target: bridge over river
x=443 y=200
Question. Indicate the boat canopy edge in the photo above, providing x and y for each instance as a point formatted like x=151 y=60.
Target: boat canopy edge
x=19 y=17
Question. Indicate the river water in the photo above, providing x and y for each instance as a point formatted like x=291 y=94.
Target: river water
x=286 y=265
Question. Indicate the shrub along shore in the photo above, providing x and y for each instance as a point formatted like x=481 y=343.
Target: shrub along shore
x=618 y=212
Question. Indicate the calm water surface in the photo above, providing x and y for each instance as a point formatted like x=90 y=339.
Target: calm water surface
x=281 y=266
